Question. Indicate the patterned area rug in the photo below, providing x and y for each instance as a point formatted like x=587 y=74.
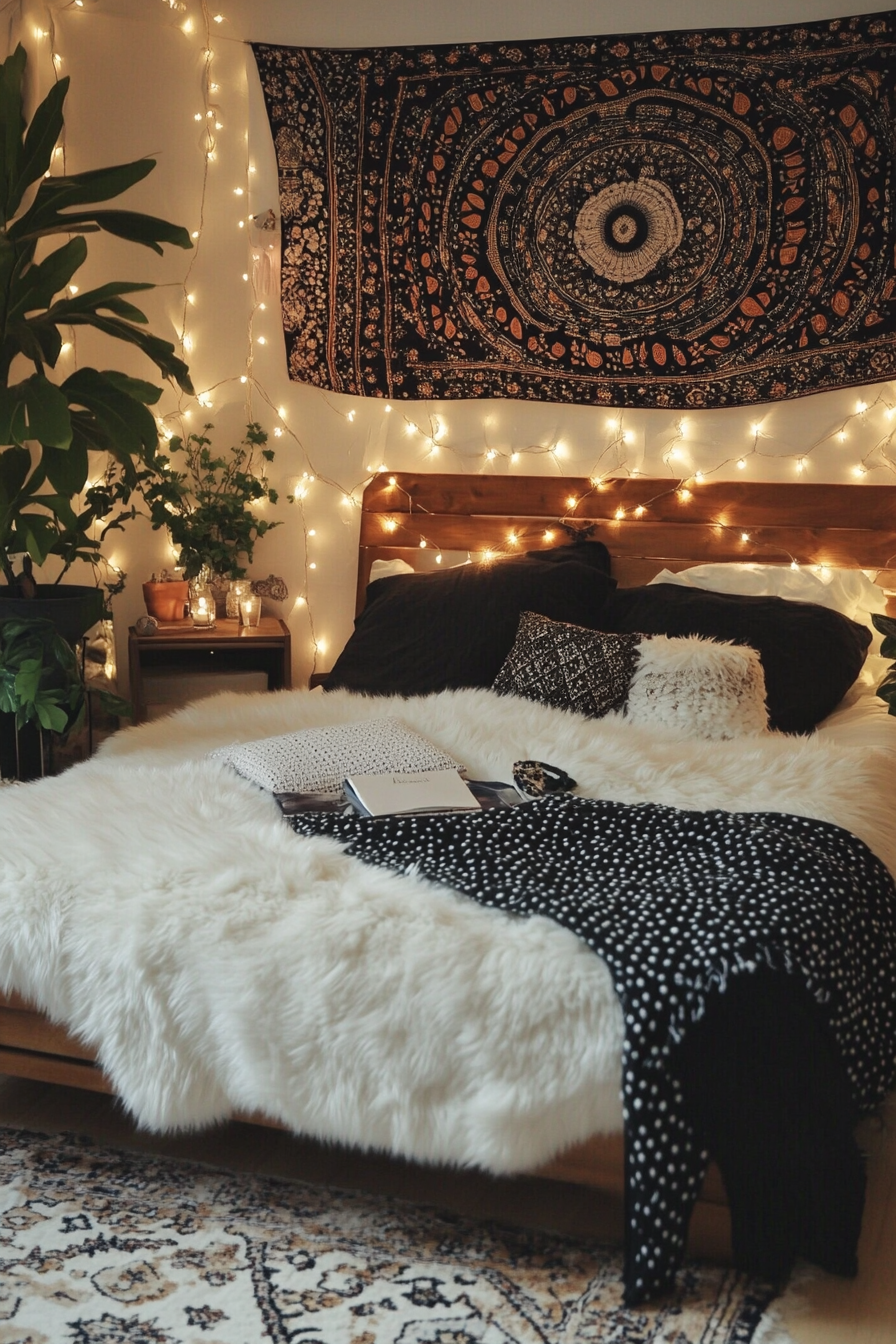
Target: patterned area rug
x=108 y=1247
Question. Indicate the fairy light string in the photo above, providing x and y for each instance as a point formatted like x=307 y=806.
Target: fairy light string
x=618 y=441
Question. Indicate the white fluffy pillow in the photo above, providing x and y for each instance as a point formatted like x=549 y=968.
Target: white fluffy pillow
x=699 y=687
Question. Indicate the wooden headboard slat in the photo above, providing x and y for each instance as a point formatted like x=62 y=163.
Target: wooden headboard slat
x=757 y=503
x=852 y=526
x=704 y=541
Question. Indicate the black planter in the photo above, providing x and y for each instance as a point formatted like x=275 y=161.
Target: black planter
x=72 y=607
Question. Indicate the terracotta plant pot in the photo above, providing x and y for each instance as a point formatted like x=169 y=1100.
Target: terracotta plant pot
x=166 y=601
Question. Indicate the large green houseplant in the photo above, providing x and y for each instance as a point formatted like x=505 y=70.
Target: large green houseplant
x=52 y=430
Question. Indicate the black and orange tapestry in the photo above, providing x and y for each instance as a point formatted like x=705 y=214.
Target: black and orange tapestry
x=684 y=219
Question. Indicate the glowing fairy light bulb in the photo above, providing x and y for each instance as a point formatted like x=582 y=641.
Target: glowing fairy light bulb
x=741 y=464
x=745 y=536
x=619 y=514
x=640 y=511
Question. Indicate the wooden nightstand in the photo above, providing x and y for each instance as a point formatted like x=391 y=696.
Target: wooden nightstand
x=178 y=649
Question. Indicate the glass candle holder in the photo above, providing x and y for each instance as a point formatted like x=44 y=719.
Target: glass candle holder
x=239 y=588
x=250 y=610
x=202 y=609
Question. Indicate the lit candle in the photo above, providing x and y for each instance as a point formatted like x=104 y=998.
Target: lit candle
x=202 y=610
x=250 y=610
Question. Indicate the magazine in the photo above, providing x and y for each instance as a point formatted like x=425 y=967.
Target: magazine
x=395 y=792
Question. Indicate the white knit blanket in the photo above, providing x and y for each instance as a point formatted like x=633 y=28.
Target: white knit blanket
x=157 y=904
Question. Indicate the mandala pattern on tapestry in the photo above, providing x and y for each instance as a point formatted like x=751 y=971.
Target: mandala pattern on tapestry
x=685 y=219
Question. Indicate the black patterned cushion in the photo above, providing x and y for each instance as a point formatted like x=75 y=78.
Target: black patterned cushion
x=567 y=666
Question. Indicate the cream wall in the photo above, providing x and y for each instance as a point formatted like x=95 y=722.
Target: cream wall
x=140 y=86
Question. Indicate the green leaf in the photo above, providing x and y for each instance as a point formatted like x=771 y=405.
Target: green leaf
x=125 y=424
x=114 y=704
x=888 y=647
x=15 y=464
x=12 y=125
x=90 y=300
x=35 y=409
x=887 y=690
x=52 y=717
x=59 y=193
x=35 y=535
x=134 y=227
x=138 y=388
x=67 y=469
x=42 y=134
x=886 y=625
x=39 y=284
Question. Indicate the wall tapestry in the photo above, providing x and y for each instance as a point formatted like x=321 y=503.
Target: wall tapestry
x=682 y=219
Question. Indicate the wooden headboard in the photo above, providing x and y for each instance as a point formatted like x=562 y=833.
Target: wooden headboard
x=647 y=524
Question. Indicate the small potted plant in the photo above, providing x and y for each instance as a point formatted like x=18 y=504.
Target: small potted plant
x=204 y=499
x=166 y=596
x=42 y=690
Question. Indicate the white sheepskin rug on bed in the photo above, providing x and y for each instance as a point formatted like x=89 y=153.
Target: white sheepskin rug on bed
x=157 y=904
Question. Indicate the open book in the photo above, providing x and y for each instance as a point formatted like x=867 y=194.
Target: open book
x=397 y=792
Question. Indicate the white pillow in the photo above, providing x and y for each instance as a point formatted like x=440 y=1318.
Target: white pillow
x=699 y=687
x=384 y=569
x=848 y=591
x=317 y=760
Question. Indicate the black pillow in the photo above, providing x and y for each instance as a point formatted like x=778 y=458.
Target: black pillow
x=420 y=633
x=810 y=654
x=592 y=553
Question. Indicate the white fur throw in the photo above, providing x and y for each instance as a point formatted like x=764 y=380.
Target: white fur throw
x=698 y=686
x=158 y=904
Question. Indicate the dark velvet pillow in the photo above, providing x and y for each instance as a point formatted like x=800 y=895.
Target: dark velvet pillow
x=420 y=633
x=593 y=553
x=810 y=654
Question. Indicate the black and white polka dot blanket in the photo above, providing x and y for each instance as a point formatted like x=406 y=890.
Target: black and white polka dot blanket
x=676 y=902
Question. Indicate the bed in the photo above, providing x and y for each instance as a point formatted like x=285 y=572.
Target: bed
x=164 y=941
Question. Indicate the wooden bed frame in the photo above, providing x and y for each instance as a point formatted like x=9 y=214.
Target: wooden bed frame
x=647 y=525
